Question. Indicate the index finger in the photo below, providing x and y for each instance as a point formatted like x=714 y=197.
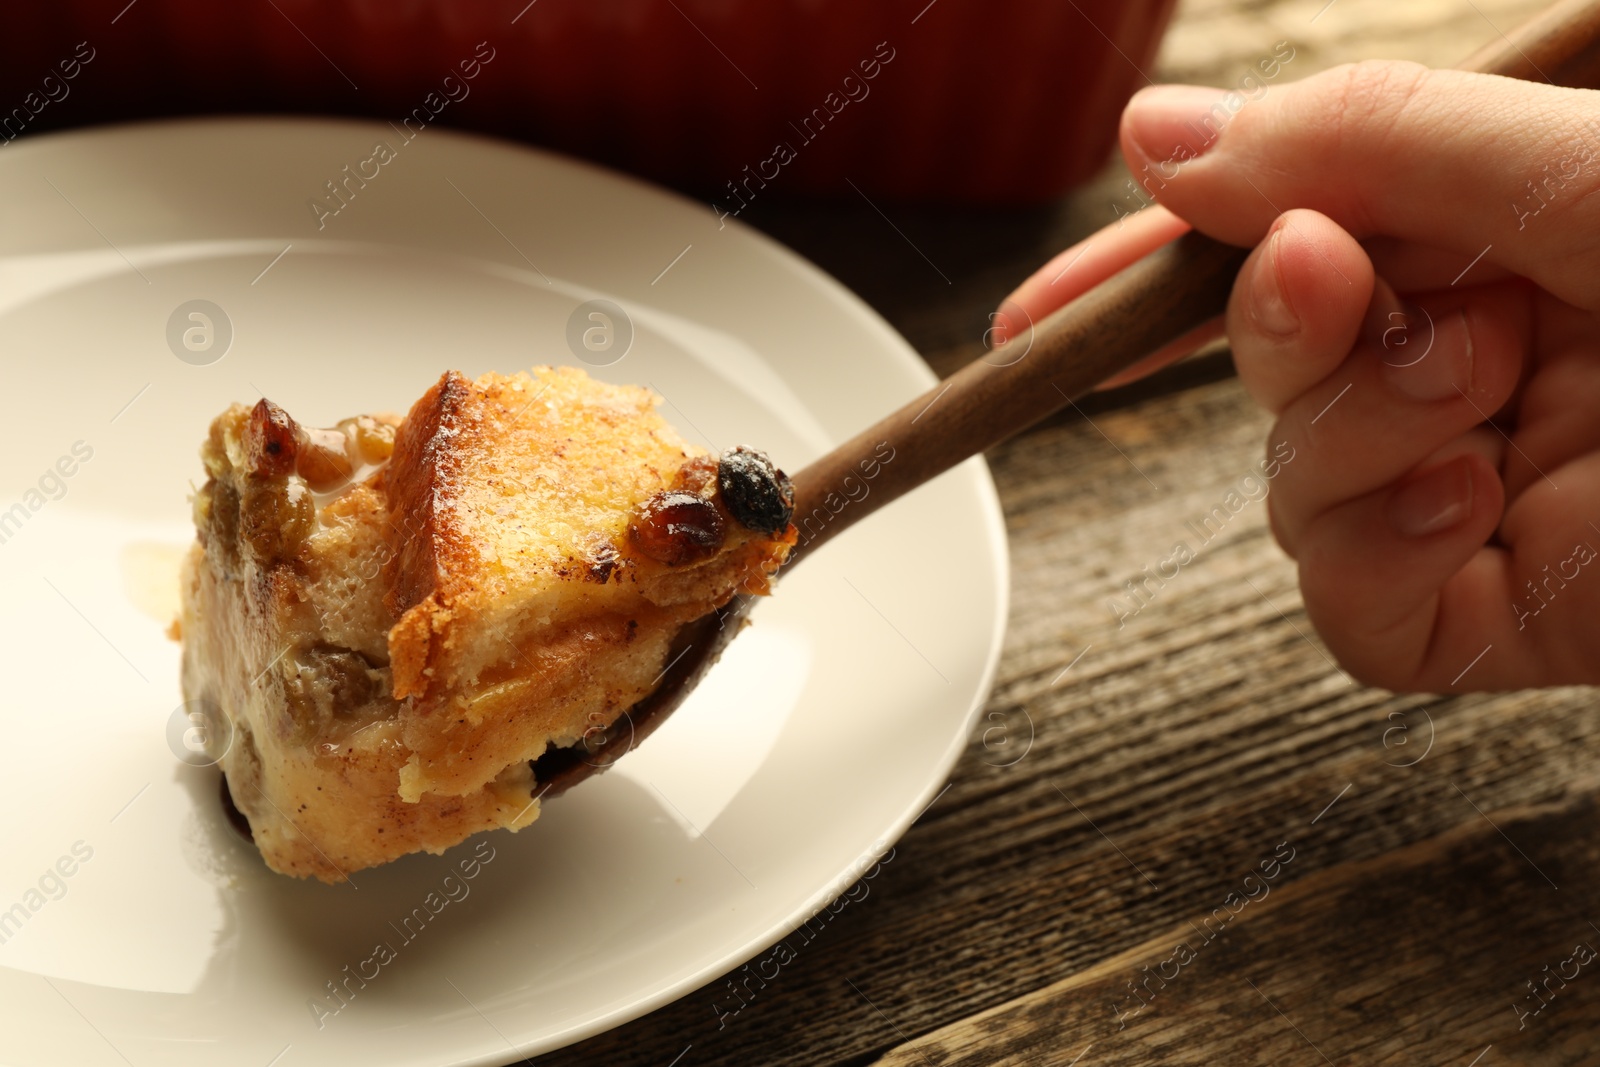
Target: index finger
x=1085 y=265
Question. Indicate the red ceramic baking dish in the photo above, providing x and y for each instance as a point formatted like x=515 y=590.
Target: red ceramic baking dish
x=957 y=100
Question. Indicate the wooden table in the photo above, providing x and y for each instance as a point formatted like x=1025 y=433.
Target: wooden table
x=1429 y=857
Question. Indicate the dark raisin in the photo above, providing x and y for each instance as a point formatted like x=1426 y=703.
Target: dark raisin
x=271 y=440
x=674 y=527
x=755 y=492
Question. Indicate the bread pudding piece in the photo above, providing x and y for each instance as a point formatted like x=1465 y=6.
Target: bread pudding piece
x=396 y=616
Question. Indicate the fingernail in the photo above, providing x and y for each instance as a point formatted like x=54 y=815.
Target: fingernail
x=1010 y=337
x=1397 y=328
x=999 y=330
x=1176 y=122
x=1268 y=304
x=1434 y=359
x=1433 y=502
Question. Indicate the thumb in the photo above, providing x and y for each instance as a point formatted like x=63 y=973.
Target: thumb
x=1456 y=161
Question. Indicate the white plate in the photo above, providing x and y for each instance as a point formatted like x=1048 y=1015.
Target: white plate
x=823 y=734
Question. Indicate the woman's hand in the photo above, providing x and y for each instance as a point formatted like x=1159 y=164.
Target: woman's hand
x=1444 y=499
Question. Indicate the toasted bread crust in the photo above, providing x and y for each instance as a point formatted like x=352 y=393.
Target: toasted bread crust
x=511 y=488
x=425 y=470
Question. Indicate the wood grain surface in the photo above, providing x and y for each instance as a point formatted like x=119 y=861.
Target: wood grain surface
x=1142 y=757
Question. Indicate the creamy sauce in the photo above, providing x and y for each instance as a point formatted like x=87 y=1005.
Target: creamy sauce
x=150 y=572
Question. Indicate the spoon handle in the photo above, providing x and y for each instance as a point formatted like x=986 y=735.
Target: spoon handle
x=1560 y=45
x=1162 y=297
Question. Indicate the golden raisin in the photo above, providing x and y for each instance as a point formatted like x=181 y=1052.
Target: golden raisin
x=324 y=684
x=697 y=476
x=374 y=439
x=274 y=518
x=221 y=503
x=271 y=440
x=674 y=527
x=324 y=460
